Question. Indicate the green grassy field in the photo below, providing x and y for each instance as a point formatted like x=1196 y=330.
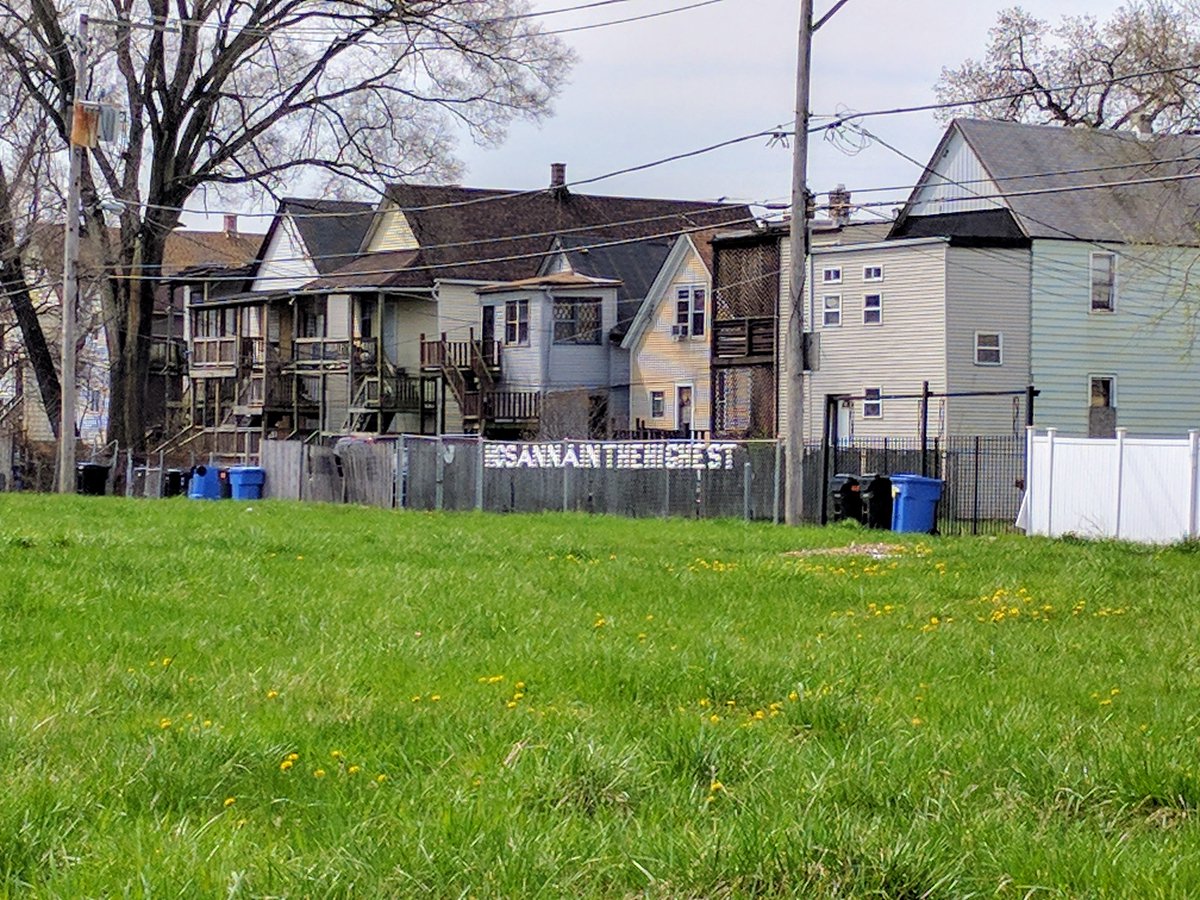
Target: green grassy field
x=307 y=701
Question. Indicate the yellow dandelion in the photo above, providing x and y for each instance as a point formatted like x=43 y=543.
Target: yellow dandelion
x=354 y=770
x=229 y=801
x=285 y=765
x=434 y=698
x=917 y=723
x=520 y=686
x=793 y=696
x=380 y=778
x=336 y=754
x=318 y=773
x=207 y=723
x=293 y=756
x=271 y=695
x=511 y=704
x=164 y=723
x=714 y=718
x=704 y=701
x=716 y=786
x=166 y=661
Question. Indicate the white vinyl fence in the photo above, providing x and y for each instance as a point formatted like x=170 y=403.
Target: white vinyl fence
x=1136 y=489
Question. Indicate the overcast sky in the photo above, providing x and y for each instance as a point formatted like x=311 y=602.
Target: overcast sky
x=650 y=89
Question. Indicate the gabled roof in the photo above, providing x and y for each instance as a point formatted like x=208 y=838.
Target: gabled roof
x=644 y=316
x=635 y=264
x=553 y=280
x=331 y=230
x=476 y=234
x=1073 y=183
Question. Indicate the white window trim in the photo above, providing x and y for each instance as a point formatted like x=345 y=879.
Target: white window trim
x=692 y=388
x=825 y=310
x=687 y=292
x=878 y=403
x=999 y=348
x=1111 y=377
x=1091 y=281
x=878 y=294
x=870 y=278
x=825 y=273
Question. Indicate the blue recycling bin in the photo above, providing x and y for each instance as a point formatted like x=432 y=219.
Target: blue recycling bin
x=246 y=482
x=205 y=483
x=914 y=503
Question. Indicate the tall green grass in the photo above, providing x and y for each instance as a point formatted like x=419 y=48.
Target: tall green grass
x=281 y=700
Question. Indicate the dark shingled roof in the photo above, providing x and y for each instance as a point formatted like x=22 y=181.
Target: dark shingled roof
x=372 y=270
x=989 y=226
x=1039 y=157
x=636 y=265
x=491 y=235
x=332 y=230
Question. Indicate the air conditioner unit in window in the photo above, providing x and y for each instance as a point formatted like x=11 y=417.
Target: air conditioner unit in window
x=679 y=332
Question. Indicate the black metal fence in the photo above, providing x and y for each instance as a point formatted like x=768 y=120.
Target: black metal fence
x=984 y=476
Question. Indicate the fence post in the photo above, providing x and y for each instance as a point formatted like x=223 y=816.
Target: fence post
x=129 y=473
x=162 y=471
x=666 y=493
x=746 y=476
x=775 y=491
x=566 y=487
x=397 y=467
x=924 y=429
x=439 y=465
x=1194 y=454
x=1120 y=474
x=479 y=474
x=1050 y=433
x=975 y=492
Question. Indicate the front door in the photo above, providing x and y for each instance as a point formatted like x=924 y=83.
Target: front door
x=489 y=326
x=683 y=408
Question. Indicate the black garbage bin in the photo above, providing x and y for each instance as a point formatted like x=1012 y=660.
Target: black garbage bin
x=91 y=479
x=844 y=501
x=875 y=494
x=176 y=482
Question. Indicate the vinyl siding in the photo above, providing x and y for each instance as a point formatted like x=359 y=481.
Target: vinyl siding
x=458 y=309
x=963 y=177
x=661 y=363
x=896 y=356
x=285 y=264
x=407 y=320
x=987 y=290
x=1148 y=342
x=392 y=232
x=571 y=366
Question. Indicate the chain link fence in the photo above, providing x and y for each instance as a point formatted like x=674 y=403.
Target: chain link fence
x=689 y=478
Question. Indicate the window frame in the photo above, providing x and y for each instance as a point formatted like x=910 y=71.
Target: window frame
x=876 y=402
x=516 y=323
x=999 y=348
x=1112 y=389
x=867 y=277
x=691 y=309
x=826 y=309
x=825 y=275
x=1111 y=282
x=658 y=404
x=577 y=334
x=878 y=309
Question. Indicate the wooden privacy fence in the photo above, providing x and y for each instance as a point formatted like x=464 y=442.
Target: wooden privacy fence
x=1137 y=489
x=351 y=472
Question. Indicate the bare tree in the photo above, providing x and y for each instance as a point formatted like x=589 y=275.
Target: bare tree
x=1138 y=69
x=228 y=94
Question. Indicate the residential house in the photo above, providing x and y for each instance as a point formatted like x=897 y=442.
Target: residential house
x=264 y=361
x=669 y=341
x=455 y=259
x=1109 y=222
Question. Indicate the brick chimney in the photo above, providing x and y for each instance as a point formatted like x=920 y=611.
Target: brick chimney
x=230 y=225
x=839 y=205
x=558 y=175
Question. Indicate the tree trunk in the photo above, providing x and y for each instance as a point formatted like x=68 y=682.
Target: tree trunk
x=15 y=288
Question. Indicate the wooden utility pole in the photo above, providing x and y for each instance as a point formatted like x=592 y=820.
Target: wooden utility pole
x=798 y=244
x=70 y=288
